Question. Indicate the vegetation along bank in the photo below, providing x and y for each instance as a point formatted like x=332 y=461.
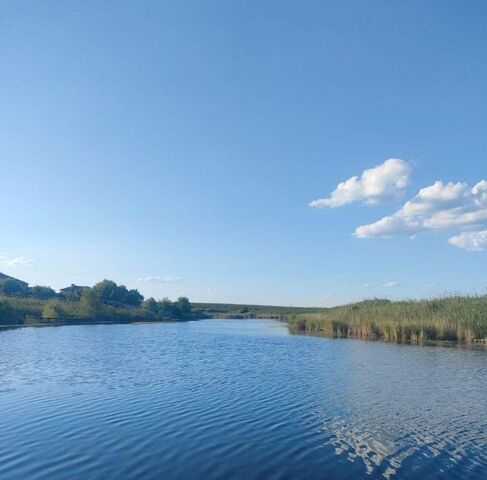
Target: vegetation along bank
x=461 y=319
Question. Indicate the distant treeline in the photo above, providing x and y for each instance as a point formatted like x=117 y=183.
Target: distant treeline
x=105 y=301
x=460 y=319
x=17 y=288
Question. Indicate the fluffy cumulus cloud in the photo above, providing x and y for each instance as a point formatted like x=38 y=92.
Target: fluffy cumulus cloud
x=15 y=261
x=380 y=184
x=439 y=206
x=472 y=241
x=165 y=279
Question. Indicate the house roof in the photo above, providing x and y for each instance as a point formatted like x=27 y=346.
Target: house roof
x=8 y=277
x=73 y=288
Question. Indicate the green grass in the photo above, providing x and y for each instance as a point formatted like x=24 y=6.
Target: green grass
x=236 y=310
x=460 y=319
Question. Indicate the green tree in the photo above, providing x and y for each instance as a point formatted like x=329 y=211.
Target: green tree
x=183 y=305
x=151 y=306
x=111 y=293
x=42 y=293
x=105 y=290
x=90 y=302
x=166 y=308
x=134 y=298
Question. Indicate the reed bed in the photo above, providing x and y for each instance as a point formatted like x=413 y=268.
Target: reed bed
x=461 y=319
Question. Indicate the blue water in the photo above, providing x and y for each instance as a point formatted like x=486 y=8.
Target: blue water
x=235 y=399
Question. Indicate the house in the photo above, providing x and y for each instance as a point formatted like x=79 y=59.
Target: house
x=21 y=283
x=73 y=290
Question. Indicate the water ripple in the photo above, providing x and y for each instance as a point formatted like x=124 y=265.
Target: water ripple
x=235 y=399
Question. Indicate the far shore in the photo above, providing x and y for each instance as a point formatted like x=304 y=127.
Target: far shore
x=455 y=318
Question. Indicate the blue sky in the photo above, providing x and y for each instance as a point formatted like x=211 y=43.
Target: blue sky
x=175 y=147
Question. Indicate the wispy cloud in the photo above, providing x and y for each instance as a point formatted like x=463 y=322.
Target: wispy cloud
x=383 y=183
x=15 y=261
x=158 y=279
x=439 y=206
x=387 y=285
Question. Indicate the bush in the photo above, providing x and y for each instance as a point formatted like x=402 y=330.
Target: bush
x=53 y=310
x=7 y=314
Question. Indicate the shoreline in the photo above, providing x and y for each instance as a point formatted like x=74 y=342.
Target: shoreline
x=477 y=343
x=481 y=343
x=95 y=322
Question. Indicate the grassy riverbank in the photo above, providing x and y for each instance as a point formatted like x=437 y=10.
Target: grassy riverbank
x=16 y=311
x=104 y=302
x=460 y=319
x=236 y=310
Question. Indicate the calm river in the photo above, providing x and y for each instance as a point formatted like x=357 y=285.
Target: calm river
x=235 y=399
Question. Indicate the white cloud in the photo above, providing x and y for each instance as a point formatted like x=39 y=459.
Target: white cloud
x=383 y=183
x=436 y=207
x=16 y=261
x=391 y=284
x=472 y=241
x=367 y=285
x=166 y=279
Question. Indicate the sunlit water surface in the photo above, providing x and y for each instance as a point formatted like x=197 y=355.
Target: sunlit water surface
x=243 y=399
